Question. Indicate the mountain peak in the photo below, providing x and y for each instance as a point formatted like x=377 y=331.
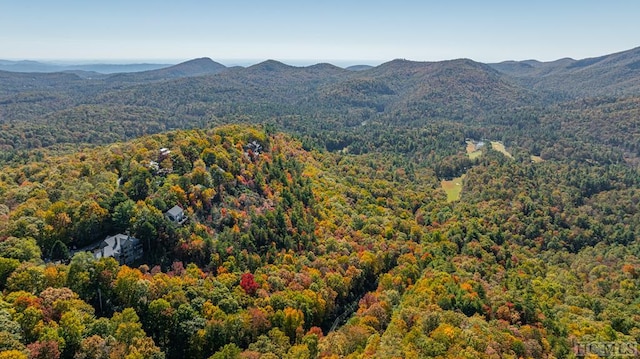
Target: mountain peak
x=324 y=66
x=191 y=68
x=199 y=66
x=270 y=65
x=359 y=67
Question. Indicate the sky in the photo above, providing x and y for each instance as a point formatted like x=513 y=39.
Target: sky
x=305 y=32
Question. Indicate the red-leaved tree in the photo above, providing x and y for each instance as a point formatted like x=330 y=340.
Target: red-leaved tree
x=248 y=283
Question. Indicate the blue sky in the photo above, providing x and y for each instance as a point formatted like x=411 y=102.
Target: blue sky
x=344 y=32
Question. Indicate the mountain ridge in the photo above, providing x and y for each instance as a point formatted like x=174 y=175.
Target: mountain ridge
x=191 y=68
x=617 y=73
x=399 y=92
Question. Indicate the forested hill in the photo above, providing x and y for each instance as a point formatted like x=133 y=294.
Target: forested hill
x=610 y=75
x=302 y=254
x=192 y=68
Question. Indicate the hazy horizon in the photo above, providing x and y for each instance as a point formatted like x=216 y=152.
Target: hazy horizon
x=287 y=30
x=226 y=62
x=251 y=61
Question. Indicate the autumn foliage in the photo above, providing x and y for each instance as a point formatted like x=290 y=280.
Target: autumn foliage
x=248 y=284
x=296 y=253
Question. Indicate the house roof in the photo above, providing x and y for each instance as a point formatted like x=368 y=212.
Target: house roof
x=175 y=211
x=112 y=246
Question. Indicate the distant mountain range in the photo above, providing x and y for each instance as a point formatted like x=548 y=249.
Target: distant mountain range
x=36 y=66
x=396 y=93
x=614 y=74
x=196 y=67
x=98 y=69
x=418 y=84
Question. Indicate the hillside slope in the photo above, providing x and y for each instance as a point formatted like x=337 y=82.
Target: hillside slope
x=609 y=75
x=288 y=252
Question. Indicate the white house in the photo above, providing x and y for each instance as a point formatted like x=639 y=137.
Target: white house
x=176 y=215
x=124 y=248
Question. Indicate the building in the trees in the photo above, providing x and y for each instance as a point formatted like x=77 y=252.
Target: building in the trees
x=124 y=248
x=176 y=215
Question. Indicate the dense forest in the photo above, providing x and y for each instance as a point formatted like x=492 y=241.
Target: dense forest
x=317 y=224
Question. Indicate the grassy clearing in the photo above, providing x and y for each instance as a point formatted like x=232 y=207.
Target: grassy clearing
x=498 y=146
x=453 y=188
x=536 y=159
x=474 y=155
x=471 y=147
x=472 y=150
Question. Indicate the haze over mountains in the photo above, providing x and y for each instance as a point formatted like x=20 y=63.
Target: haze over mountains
x=104 y=68
x=397 y=93
x=605 y=74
